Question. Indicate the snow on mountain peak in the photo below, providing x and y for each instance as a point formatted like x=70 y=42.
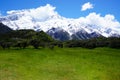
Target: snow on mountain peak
x=46 y=17
x=39 y=14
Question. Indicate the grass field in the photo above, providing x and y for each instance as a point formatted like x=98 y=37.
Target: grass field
x=60 y=64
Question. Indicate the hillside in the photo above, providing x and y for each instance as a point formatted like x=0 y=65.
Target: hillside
x=4 y=28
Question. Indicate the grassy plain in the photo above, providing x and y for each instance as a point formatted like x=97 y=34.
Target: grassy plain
x=60 y=64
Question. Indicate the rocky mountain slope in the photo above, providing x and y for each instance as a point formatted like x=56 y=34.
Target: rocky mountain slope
x=47 y=19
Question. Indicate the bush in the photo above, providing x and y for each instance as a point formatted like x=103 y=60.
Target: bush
x=5 y=45
x=21 y=44
x=35 y=43
x=114 y=44
x=90 y=45
x=51 y=47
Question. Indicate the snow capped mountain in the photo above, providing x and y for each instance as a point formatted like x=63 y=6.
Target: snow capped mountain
x=47 y=19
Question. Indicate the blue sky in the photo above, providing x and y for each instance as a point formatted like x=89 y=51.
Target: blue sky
x=66 y=8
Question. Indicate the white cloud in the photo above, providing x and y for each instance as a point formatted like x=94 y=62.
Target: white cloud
x=107 y=21
x=41 y=13
x=86 y=6
x=45 y=12
x=105 y=25
x=46 y=17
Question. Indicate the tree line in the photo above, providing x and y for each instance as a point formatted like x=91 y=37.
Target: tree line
x=24 y=38
x=112 y=42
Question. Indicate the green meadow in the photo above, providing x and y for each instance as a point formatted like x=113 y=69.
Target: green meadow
x=60 y=64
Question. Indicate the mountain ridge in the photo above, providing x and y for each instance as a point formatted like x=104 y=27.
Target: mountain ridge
x=39 y=19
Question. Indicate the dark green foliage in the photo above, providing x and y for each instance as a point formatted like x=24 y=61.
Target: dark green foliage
x=28 y=34
x=60 y=45
x=114 y=43
x=35 y=43
x=5 y=45
x=101 y=41
x=95 y=42
x=21 y=44
x=90 y=45
x=75 y=43
x=24 y=38
x=57 y=43
x=51 y=46
x=42 y=36
x=22 y=34
x=40 y=40
x=21 y=38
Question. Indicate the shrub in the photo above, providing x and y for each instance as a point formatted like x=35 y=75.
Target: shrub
x=5 y=45
x=35 y=43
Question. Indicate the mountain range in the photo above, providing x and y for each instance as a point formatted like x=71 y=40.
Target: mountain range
x=4 y=29
x=58 y=27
